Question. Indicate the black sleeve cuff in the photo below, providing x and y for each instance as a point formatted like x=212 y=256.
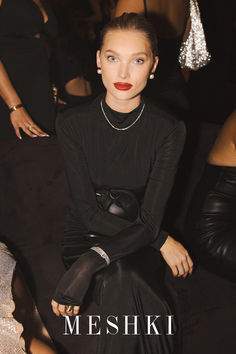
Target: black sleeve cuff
x=160 y=240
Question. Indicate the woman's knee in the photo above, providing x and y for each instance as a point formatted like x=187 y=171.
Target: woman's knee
x=119 y=276
x=130 y=276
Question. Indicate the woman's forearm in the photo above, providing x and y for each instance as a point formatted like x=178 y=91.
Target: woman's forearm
x=19 y=118
x=7 y=91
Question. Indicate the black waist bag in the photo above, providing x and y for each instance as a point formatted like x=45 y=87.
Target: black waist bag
x=121 y=203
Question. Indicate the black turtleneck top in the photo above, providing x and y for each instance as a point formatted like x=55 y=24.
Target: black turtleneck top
x=142 y=159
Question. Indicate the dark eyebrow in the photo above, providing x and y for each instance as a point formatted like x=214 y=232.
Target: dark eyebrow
x=135 y=54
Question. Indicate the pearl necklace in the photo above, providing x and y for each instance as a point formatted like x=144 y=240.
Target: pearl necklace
x=129 y=126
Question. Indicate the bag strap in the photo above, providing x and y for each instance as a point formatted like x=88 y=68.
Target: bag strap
x=145 y=8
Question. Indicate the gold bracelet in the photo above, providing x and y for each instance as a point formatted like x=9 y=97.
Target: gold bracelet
x=14 y=108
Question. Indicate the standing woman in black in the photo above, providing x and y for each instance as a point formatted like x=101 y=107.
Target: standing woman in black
x=122 y=142
x=27 y=111
x=26 y=95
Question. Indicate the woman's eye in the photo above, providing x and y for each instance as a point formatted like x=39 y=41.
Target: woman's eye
x=111 y=58
x=139 y=61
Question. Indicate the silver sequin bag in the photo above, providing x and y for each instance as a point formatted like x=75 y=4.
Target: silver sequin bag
x=193 y=51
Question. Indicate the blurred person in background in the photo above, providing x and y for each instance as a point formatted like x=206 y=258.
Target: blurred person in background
x=71 y=58
x=169 y=18
x=26 y=95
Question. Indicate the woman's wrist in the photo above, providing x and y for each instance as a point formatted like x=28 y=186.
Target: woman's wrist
x=102 y=253
x=15 y=107
x=73 y=286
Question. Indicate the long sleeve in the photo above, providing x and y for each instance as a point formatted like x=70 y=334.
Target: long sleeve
x=146 y=228
x=127 y=237
x=160 y=239
x=85 y=212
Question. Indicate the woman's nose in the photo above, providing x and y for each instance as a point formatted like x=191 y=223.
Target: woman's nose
x=124 y=71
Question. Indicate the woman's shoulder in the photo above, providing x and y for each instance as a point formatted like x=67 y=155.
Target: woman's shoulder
x=162 y=118
x=79 y=116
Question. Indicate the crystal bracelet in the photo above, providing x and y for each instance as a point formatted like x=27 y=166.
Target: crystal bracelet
x=102 y=253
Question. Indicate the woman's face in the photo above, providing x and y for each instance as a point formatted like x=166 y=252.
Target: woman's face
x=126 y=61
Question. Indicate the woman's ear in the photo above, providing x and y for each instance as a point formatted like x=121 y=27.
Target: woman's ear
x=155 y=63
x=98 y=55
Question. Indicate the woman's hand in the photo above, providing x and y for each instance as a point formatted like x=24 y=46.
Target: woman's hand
x=74 y=284
x=64 y=310
x=20 y=119
x=177 y=257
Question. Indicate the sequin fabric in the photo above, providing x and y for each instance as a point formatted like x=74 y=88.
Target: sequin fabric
x=193 y=52
x=11 y=341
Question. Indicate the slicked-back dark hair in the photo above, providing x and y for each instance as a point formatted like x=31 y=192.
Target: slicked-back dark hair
x=132 y=21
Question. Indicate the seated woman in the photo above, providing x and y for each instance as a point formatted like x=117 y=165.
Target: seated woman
x=210 y=223
x=121 y=143
x=21 y=328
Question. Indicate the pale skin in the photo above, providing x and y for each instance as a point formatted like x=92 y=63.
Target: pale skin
x=126 y=56
x=20 y=119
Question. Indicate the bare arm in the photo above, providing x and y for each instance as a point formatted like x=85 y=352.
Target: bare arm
x=19 y=118
x=223 y=152
x=7 y=91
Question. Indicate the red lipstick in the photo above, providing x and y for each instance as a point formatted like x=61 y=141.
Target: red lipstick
x=123 y=86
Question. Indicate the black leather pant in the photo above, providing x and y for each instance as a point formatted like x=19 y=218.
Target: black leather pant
x=211 y=222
